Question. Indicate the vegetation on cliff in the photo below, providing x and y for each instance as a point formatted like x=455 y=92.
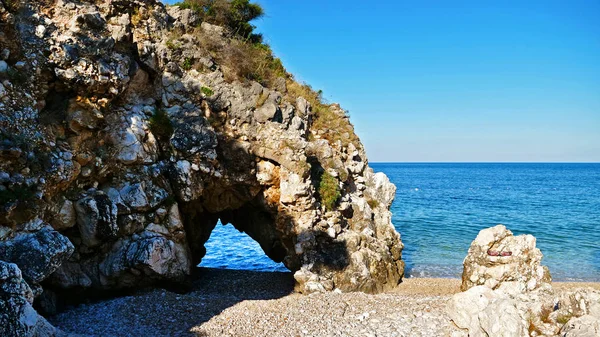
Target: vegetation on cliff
x=329 y=191
x=247 y=57
x=233 y=14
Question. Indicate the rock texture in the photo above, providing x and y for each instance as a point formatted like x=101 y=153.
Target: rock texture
x=17 y=316
x=497 y=257
x=117 y=158
x=481 y=311
x=506 y=292
x=39 y=253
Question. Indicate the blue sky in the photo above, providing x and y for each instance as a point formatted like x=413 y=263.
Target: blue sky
x=451 y=80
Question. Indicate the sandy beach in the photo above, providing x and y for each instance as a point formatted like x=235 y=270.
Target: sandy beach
x=247 y=303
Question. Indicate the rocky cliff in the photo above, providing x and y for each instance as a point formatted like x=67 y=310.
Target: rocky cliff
x=125 y=135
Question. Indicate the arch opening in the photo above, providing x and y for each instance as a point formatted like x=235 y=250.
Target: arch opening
x=230 y=248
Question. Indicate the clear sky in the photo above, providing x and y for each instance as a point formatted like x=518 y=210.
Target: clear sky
x=451 y=80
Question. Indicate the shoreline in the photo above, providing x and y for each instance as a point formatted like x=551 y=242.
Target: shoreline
x=224 y=302
x=451 y=286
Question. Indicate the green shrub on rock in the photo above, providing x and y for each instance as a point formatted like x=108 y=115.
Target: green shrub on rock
x=329 y=190
x=373 y=203
x=207 y=91
x=187 y=64
x=233 y=14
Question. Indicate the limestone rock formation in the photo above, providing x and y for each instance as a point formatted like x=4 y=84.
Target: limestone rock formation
x=514 y=297
x=497 y=257
x=584 y=326
x=484 y=312
x=17 y=316
x=481 y=311
x=123 y=141
x=39 y=253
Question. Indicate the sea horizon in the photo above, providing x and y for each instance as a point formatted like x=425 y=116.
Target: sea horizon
x=440 y=207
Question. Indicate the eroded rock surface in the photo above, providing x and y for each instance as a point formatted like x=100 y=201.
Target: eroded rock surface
x=497 y=257
x=17 y=316
x=481 y=311
x=121 y=134
x=511 y=294
x=39 y=253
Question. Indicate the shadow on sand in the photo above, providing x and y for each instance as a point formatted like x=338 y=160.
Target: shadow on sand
x=179 y=310
x=159 y=312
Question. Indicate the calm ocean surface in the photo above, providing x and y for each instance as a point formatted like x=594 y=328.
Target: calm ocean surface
x=440 y=208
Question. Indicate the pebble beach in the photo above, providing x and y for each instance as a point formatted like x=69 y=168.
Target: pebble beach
x=249 y=303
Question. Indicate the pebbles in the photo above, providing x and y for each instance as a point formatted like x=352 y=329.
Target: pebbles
x=350 y=314
x=245 y=303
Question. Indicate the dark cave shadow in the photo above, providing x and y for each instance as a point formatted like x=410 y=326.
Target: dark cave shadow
x=210 y=292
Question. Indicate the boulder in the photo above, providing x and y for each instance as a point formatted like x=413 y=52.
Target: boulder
x=191 y=136
x=134 y=197
x=502 y=318
x=37 y=254
x=484 y=312
x=212 y=29
x=496 y=256
x=134 y=143
x=266 y=112
x=17 y=316
x=150 y=253
x=184 y=18
x=506 y=302
x=267 y=173
x=302 y=106
x=66 y=217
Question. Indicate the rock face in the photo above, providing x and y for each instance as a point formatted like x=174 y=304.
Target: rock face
x=511 y=295
x=584 y=326
x=496 y=257
x=124 y=156
x=39 y=253
x=17 y=316
x=481 y=311
x=484 y=312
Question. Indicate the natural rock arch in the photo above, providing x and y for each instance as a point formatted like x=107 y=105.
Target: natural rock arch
x=256 y=225
x=127 y=158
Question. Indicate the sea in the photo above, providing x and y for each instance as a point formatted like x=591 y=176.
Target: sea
x=440 y=207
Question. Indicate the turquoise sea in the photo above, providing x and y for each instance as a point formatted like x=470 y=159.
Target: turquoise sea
x=440 y=208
